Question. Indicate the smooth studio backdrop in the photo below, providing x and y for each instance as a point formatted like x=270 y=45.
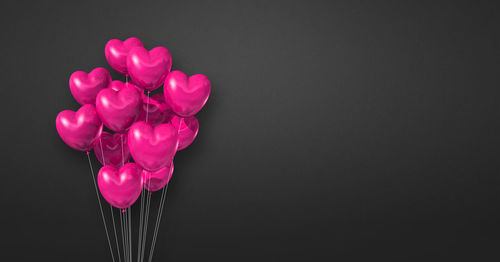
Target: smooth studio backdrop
x=335 y=131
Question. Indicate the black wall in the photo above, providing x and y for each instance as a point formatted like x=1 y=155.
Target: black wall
x=335 y=131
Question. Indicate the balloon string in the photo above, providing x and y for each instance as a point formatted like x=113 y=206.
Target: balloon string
x=126 y=233
x=116 y=236
x=102 y=152
x=125 y=220
x=124 y=236
x=147 y=107
x=122 y=216
x=123 y=157
x=158 y=220
x=100 y=206
x=141 y=215
x=130 y=232
x=127 y=244
x=111 y=209
x=145 y=229
x=160 y=212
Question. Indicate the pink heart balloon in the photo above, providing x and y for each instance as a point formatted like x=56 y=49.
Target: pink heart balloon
x=186 y=96
x=112 y=153
x=119 y=109
x=187 y=129
x=154 y=181
x=148 y=69
x=116 y=53
x=84 y=87
x=155 y=109
x=79 y=130
x=152 y=148
x=120 y=187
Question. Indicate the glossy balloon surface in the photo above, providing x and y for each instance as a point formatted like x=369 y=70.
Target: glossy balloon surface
x=184 y=95
x=116 y=52
x=85 y=87
x=120 y=187
x=80 y=129
x=118 y=110
x=148 y=69
x=152 y=147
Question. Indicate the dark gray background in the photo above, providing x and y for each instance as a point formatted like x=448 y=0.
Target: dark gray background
x=335 y=131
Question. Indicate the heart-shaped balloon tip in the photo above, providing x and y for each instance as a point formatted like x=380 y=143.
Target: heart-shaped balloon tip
x=84 y=87
x=120 y=187
x=152 y=147
x=184 y=95
x=148 y=69
x=116 y=53
x=80 y=129
x=119 y=108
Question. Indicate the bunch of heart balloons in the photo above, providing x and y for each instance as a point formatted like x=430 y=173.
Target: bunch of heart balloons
x=150 y=129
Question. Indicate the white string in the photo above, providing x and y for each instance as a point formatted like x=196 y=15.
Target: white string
x=145 y=217
x=123 y=235
x=123 y=156
x=126 y=233
x=145 y=230
x=100 y=207
x=127 y=248
x=160 y=212
x=125 y=220
x=121 y=227
x=147 y=107
x=111 y=209
x=141 y=215
x=130 y=231
x=158 y=220
x=116 y=236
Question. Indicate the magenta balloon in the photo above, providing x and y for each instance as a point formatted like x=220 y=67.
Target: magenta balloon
x=154 y=181
x=118 y=110
x=188 y=130
x=152 y=148
x=120 y=187
x=148 y=69
x=112 y=151
x=156 y=111
x=79 y=130
x=116 y=53
x=84 y=87
x=186 y=96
